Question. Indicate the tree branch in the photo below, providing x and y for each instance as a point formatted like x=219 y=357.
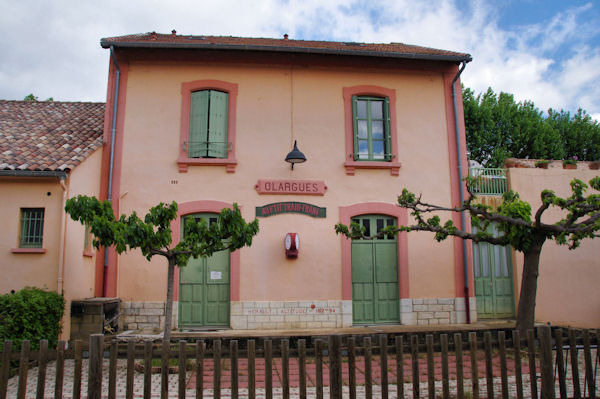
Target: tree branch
x=502 y=240
x=424 y=207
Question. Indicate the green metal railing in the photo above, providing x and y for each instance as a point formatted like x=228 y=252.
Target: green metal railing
x=489 y=181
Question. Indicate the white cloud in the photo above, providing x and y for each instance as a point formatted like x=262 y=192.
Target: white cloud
x=52 y=48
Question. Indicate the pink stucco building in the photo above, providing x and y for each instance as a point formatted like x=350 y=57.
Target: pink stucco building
x=207 y=121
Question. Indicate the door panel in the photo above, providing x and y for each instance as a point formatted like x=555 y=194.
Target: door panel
x=375 y=274
x=492 y=269
x=204 y=289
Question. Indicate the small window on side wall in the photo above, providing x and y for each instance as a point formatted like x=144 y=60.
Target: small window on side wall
x=87 y=241
x=208 y=124
x=32 y=227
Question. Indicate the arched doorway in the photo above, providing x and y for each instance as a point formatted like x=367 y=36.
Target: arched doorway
x=204 y=295
x=375 y=293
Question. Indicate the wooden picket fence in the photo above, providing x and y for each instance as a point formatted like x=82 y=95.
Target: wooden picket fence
x=459 y=365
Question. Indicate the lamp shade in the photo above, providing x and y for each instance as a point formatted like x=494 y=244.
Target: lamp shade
x=295 y=156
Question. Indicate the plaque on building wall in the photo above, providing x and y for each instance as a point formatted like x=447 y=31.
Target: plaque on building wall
x=278 y=208
x=296 y=187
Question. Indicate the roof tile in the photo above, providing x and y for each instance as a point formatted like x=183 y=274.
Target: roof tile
x=48 y=135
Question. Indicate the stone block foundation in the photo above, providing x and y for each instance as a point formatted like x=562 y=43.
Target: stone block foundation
x=432 y=311
x=145 y=315
x=289 y=315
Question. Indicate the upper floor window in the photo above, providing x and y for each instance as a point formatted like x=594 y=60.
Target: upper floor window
x=208 y=110
x=32 y=227
x=208 y=124
x=371 y=128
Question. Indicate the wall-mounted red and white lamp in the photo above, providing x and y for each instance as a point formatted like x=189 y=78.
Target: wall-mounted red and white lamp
x=292 y=244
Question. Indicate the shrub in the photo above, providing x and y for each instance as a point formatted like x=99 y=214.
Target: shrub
x=542 y=163
x=31 y=314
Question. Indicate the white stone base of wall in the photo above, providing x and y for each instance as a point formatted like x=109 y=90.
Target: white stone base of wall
x=280 y=315
x=145 y=315
x=432 y=311
x=290 y=315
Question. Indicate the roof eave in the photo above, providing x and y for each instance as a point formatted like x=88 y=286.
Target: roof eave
x=60 y=174
x=286 y=49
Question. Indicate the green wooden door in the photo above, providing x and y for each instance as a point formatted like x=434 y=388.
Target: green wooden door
x=375 y=274
x=492 y=269
x=204 y=289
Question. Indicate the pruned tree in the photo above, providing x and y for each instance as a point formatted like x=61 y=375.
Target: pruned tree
x=153 y=235
x=517 y=227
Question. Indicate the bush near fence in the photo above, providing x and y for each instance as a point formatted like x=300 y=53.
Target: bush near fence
x=30 y=314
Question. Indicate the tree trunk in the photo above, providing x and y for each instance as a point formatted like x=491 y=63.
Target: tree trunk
x=531 y=266
x=169 y=303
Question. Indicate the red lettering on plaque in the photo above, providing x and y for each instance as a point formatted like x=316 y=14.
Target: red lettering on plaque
x=291 y=187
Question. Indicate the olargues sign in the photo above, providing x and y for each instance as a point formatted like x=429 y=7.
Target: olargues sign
x=291 y=207
x=297 y=187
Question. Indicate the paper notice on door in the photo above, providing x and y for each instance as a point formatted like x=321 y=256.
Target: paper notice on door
x=216 y=275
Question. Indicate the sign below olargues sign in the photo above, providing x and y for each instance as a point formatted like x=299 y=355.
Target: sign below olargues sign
x=291 y=207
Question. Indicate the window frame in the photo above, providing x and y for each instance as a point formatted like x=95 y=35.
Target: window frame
x=87 y=241
x=187 y=88
x=28 y=247
x=350 y=163
x=370 y=121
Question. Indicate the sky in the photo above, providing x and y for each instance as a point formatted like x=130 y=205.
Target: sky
x=546 y=51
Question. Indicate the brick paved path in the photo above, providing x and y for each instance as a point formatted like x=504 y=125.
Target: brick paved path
x=311 y=371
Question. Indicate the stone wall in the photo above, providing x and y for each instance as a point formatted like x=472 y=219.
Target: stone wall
x=280 y=315
x=290 y=315
x=431 y=311
x=144 y=315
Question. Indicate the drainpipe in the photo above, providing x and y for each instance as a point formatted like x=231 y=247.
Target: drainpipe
x=112 y=150
x=60 y=283
x=462 y=195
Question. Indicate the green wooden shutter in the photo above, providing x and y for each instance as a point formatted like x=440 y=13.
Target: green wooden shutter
x=355 y=127
x=199 y=101
x=387 y=133
x=217 y=131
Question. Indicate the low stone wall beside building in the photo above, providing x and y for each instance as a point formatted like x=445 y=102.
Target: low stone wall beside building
x=432 y=311
x=290 y=315
x=144 y=315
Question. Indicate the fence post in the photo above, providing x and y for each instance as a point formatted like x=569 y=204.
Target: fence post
x=6 y=352
x=546 y=362
x=60 y=369
x=285 y=368
x=42 y=363
x=95 y=369
x=164 y=369
x=335 y=367
x=384 y=366
x=23 y=369
x=182 y=363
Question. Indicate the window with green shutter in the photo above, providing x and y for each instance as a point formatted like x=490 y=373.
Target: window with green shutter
x=32 y=227
x=209 y=113
x=371 y=118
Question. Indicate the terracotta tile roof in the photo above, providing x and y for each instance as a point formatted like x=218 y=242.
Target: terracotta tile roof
x=48 y=136
x=392 y=50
